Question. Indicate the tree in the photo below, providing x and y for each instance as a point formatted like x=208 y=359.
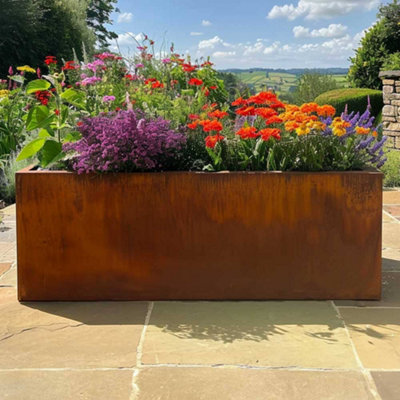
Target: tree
x=311 y=85
x=381 y=40
x=97 y=15
x=32 y=29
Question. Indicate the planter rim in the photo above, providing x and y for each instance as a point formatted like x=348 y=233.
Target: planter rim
x=371 y=171
x=389 y=74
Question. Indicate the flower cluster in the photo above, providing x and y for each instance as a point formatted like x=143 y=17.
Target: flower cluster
x=125 y=141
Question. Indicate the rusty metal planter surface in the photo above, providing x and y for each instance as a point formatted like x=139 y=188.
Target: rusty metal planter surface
x=187 y=235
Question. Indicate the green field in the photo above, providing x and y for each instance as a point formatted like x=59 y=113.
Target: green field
x=280 y=82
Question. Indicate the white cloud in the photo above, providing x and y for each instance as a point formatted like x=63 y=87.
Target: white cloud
x=212 y=43
x=196 y=33
x=126 y=41
x=224 y=54
x=334 y=51
x=206 y=22
x=124 y=17
x=314 y=9
x=332 y=31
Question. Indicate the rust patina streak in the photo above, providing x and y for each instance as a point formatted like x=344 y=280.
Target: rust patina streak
x=199 y=236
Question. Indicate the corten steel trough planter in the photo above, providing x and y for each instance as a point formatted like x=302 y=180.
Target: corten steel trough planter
x=208 y=236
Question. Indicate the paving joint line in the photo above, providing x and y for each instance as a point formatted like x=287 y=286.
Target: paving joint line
x=391 y=216
x=367 y=375
x=372 y=307
x=139 y=353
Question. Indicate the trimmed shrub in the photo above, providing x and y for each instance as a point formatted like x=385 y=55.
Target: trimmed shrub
x=356 y=100
x=391 y=169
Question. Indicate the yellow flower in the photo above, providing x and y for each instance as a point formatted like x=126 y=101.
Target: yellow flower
x=26 y=68
x=338 y=131
x=362 y=131
x=4 y=93
x=303 y=130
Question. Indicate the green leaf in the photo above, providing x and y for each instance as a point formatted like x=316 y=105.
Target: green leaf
x=43 y=133
x=17 y=78
x=74 y=97
x=36 y=85
x=38 y=117
x=31 y=149
x=72 y=137
x=51 y=152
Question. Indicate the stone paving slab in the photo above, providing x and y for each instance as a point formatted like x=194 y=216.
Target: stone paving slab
x=388 y=384
x=65 y=385
x=393 y=210
x=276 y=334
x=376 y=335
x=9 y=278
x=4 y=267
x=390 y=293
x=391 y=197
x=391 y=235
x=249 y=384
x=59 y=335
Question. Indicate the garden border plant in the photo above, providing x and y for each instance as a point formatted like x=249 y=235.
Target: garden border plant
x=250 y=233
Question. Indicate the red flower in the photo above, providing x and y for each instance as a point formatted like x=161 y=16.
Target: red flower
x=70 y=65
x=189 y=67
x=192 y=125
x=211 y=141
x=43 y=96
x=79 y=123
x=207 y=64
x=239 y=102
x=249 y=132
x=50 y=60
x=147 y=81
x=267 y=133
x=206 y=93
x=57 y=112
x=193 y=117
x=157 y=85
x=218 y=114
x=195 y=82
x=213 y=87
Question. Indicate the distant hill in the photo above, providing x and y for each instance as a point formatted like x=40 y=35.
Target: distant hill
x=294 y=71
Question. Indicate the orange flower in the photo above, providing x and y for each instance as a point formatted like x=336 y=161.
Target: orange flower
x=246 y=111
x=218 y=114
x=291 y=126
x=309 y=108
x=362 y=131
x=268 y=133
x=249 y=132
x=195 y=82
x=209 y=126
x=274 y=120
x=262 y=98
x=211 y=141
x=265 y=112
x=326 y=111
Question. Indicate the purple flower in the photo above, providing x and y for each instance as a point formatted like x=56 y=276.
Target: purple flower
x=107 y=99
x=94 y=65
x=166 y=61
x=125 y=141
x=90 y=81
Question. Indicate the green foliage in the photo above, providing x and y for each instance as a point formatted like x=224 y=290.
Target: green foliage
x=233 y=85
x=355 y=99
x=7 y=178
x=381 y=40
x=392 y=63
x=97 y=16
x=312 y=85
x=391 y=169
x=32 y=29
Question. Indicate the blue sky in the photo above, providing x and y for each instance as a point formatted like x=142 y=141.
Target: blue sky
x=250 y=33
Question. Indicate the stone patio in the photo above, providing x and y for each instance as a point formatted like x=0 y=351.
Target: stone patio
x=291 y=350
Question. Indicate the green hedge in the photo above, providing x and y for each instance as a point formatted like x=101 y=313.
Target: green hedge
x=356 y=100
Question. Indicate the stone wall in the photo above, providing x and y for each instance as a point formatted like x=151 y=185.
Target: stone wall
x=391 y=108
